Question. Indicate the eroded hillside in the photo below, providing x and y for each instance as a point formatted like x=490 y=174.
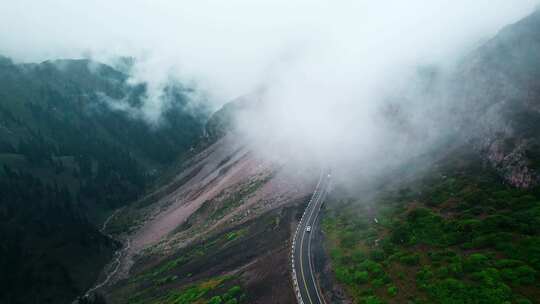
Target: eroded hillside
x=228 y=216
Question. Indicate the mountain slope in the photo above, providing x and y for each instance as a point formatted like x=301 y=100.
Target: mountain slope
x=228 y=213
x=455 y=222
x=463 y=226
x=69 y=155
x=497 y=85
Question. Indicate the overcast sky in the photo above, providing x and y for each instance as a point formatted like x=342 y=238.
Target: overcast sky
x=324 y=64
x=236 y=45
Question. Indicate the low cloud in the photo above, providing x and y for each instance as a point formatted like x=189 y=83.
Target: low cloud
x=328 y=70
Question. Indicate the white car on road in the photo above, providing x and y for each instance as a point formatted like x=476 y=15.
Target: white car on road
x=308 y=228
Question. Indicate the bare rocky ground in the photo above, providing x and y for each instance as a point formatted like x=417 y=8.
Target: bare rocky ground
x=228 y=212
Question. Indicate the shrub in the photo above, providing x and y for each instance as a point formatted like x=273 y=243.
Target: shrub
x=520 y=275
x=349 y=239
x=523 y=202
x=401 y=235
x=367 y=292
x=388 y=247
x=446 y=289
x=508 y=274
x=455 y=269
x=215 y=300
x=498 y=293
x=371 y=266
x=498 y=240
x=377 y=255
x=483 y=291
x=475 y=262
x=442 y=272
x=357 y=256
x=527 y=250
x=418 y=214
x=337 y=255
x=528 y=221
x=489 y=276
x=372 y=300
x=427 y=227
x=392 y=290
x=441 y=256
x=361 y=277
x=379 y=282
x=496 y=223
x=467 y=245
x=232 y=292
x=411 y=259
x=477 y=210
x=343 y=275
x=526 y=274
x=502 y=195
x=423 y=277
x=166 y=280
x=468 y=225
x=505 y=263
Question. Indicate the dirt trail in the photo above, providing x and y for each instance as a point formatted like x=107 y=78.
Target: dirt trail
x=116 y=262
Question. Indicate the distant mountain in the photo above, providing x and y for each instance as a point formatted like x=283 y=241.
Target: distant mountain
x=461 y=224
x=71 y=150
x=497 y=90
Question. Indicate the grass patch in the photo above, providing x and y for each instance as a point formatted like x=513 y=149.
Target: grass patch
x=217 y=290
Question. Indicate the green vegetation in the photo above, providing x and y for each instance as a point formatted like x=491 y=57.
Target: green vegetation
x=165 y=272
x=225 y=252
x=458 y=235
x=66 y=160
x=216 y=290
x=233 y=235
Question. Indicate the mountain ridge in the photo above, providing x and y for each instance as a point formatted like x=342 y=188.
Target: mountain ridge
x=67 y=160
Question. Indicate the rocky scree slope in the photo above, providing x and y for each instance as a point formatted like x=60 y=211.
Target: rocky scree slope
x=228 y=213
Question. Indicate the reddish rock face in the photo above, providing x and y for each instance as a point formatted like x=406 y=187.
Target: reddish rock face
x=210 y=177
x=511 y=163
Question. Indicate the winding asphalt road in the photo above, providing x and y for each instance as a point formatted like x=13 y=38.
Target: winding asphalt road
x=307 y=289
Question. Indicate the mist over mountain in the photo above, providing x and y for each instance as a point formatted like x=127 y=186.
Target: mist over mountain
x=203 y=152
x=72 y=148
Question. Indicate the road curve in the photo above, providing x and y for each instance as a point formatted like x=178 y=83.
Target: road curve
x=306 y=286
